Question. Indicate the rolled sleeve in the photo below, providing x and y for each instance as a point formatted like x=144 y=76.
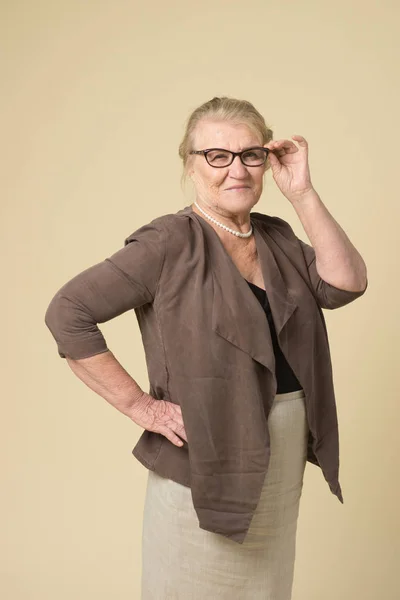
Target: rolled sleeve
x=327 y=295
x=125 y=280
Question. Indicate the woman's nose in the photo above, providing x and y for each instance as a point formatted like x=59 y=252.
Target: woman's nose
x=237 y=167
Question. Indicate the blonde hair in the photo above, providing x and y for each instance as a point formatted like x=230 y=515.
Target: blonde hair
x=223 y=109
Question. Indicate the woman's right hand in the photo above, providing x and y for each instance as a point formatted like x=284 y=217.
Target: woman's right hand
x=160 y=416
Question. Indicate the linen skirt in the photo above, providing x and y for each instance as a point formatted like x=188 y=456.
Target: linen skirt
x=180 y=561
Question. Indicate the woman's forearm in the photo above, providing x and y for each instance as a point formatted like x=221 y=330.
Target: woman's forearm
x=103 y=374
x=337 y=261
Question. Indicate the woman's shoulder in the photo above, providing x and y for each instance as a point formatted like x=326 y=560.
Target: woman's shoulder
x=160 y=227
x=273 y=225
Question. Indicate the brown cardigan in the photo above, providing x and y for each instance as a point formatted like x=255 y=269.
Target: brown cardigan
x=208 y=348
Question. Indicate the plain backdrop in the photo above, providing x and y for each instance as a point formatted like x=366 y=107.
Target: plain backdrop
x=94 y=98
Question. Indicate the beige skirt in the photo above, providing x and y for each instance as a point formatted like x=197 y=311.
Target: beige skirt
x=180 y=561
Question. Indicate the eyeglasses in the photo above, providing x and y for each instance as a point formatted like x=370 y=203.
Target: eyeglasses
x=219 y=158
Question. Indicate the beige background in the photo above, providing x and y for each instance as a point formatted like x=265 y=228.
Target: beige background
x=93 y=103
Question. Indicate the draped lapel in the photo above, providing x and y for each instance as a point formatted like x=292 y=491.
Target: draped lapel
x=237 y=315
x=281 y=301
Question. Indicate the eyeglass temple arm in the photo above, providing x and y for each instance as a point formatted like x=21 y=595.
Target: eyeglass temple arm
x=267 y=150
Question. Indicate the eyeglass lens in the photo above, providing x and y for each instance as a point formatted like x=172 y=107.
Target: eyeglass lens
x=221 y=158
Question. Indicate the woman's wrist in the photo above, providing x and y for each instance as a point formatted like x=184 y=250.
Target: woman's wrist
x=104 y=375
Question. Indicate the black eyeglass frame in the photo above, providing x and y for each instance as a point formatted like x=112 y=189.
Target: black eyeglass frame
x=234 y=154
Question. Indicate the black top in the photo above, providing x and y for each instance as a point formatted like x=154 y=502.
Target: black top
x=286 y=379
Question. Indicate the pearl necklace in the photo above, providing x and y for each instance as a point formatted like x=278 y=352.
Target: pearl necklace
x=237 y=233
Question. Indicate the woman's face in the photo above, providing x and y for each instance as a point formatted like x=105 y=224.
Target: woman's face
x=212 y=184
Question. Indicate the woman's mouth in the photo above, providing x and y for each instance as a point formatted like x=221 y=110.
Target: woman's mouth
x=237 y=188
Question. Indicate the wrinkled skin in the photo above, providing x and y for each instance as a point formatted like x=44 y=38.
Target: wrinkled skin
x=160 y=416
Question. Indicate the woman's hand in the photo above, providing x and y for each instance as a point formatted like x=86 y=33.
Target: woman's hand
x=289 y=165
x=160 y=416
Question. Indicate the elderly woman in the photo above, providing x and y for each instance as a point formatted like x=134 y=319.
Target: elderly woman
x=241 y=395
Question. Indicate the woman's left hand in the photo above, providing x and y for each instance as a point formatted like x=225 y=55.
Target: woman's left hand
x=289 y=165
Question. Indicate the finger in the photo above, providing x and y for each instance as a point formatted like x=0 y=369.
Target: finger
x=170 y=435
x=301 y=140
x=272 y=154
x=288 y=145
x=282 y=147
x=182 y=433
x=280 y=144
x=180 y=426
x=180 y=430
x=273 y=159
